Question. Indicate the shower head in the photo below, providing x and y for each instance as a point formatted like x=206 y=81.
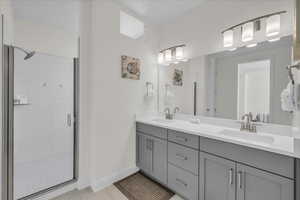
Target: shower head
x=28 y=55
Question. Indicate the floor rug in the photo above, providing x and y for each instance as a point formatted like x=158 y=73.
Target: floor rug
x=139 y=187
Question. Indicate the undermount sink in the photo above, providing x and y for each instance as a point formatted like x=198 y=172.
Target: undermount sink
x=159 y=120
x=252 y=137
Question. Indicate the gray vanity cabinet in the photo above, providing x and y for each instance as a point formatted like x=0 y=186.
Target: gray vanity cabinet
x=217 y=178
x=199 y=168
x=260 y=185
x=152 y=156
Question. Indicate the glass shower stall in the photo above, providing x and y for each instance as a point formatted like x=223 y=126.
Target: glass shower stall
x=40 y=114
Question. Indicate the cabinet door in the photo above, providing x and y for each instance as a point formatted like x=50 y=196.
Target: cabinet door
x=144 y=153
x=139 y=150
x=151 y=156
x=217 y=178
x=260 y=185
x=159 y=160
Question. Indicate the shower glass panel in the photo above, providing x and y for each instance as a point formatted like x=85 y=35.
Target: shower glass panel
x=43 y=123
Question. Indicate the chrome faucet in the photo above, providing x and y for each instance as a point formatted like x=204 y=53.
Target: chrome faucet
x=168 y=114
x=176 y=110
x=247 y=123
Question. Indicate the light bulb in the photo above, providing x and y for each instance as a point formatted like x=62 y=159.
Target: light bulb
x=248 y=32
x=273 y=26
x=228 y=38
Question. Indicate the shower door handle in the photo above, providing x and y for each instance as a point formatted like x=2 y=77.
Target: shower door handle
x=69 y=119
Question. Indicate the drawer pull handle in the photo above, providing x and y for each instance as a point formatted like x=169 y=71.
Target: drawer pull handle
x=181 y=182
x=240 y=179
x=181 y=157
x=231 y=176
x=181 y=139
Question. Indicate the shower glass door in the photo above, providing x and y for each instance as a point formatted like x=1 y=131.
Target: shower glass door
x=43 y=128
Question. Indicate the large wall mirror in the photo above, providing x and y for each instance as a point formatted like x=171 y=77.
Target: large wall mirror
x=229 y=84
x=249 y=80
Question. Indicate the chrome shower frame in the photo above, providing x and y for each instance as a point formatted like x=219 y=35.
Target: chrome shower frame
x=8 y=133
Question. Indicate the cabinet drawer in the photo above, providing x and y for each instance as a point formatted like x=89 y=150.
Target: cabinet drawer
x=152 y=130
x=275 y=163
x=183 y=157
x=183 y=182
x=184 y=139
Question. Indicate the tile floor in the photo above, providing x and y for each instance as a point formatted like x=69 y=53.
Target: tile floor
x=109 y=193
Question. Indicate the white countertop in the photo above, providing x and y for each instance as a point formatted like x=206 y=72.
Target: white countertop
x=284 y=145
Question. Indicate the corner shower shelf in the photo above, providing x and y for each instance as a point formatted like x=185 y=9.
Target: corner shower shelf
x=22 y=104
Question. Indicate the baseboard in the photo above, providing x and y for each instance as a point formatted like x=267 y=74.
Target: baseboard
x=109 y=180
x=83 y=185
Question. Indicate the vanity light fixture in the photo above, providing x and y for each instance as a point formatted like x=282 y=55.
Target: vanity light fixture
x=273 y=26
x=172 y=55
x=248 y=29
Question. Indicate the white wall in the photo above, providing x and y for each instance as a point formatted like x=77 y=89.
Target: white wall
x=45 y=38
x=201 y=28
x=50 y=27
x=113 y=101
x=63 y=15
x=84 y=135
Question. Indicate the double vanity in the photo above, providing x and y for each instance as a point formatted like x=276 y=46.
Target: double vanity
x=209 y=162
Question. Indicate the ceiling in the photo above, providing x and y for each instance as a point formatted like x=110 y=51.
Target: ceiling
x=65 y=13
x=163 y=11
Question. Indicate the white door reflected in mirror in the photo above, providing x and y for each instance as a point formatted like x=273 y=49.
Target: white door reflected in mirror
x=254 y=88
